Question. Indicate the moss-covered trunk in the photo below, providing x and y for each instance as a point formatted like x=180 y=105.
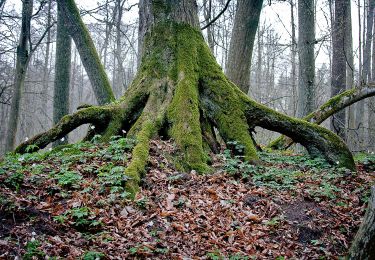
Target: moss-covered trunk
x=181 y=90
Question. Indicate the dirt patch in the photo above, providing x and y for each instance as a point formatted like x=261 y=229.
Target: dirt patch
x=307 y=234
x=300 y=211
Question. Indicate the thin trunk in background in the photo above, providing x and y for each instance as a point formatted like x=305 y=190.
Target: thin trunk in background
x=242 y=42
x=350 y=75
x=207 y=12
x=371 y=103
x=293 y=75
x=366 y=72
x=22 y=62
x=62 y=72
x=306 y=42
x=46 y=60
x=338 y=75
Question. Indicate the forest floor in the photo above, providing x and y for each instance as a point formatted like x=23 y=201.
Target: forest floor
x=70 y=203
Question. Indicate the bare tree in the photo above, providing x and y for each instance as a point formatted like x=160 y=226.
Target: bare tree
x=306 y=72
x=23 y=58
x=242 y=42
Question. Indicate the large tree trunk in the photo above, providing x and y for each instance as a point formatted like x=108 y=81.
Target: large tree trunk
x=363 y=246
x=87 y=51
x=20 y=74
x=62 y=72
x=242 y=42
x=338 y=76
x=306 y=42
x=181 y=90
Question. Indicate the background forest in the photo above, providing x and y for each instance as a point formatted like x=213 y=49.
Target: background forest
x=273 y=77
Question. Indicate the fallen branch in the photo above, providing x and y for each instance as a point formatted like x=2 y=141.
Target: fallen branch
x=328 y=109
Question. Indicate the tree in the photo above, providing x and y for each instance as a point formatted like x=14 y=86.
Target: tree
x=363 y=246
x=23 y=57
x=181 y=91
x=242 y=42
x=87 y=51
x=338 y=76
x=62 y=72
x=306 y=72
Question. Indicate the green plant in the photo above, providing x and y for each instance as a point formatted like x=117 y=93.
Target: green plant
x=81 y=217
x=68 y=178
x=31 y=147
x=15 y=180
x=32 y=250
x=92 y=255
x=142 y=203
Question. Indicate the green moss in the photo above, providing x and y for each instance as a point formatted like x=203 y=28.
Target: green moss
x=222 y=103
x=336 y=99
x=183 y=112
x=139 y=157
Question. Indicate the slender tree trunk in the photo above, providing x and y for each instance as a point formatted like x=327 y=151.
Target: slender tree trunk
x=306 y=42
x=242 y=42
x=20 y=74
x=339 y=64
x=46 y=60
x=293 y=58
x=207 y=5
x=350 y=75
x=62 y=72
x=371 y=104
x=259 y=59
x=87 y=51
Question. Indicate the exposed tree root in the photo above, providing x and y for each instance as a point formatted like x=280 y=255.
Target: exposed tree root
x=180 y=90
x=332 y=106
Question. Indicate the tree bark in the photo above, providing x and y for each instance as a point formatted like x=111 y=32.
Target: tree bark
x=87 y=51
x=363 y=246
x=306 y=72
x=62 y=72
x=242 y=42
x=338 y=75
x=181 y=90
x=20 y=74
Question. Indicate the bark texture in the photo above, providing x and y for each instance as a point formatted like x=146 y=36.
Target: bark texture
x=180 y=90
x=306 y=42
x=363 y=246
x=62 y=72
x=87 y=51
x=20 y=74
x=242 y=42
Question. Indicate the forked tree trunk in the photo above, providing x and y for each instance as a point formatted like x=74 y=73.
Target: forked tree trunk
x=182 y=91
x=86 y=48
